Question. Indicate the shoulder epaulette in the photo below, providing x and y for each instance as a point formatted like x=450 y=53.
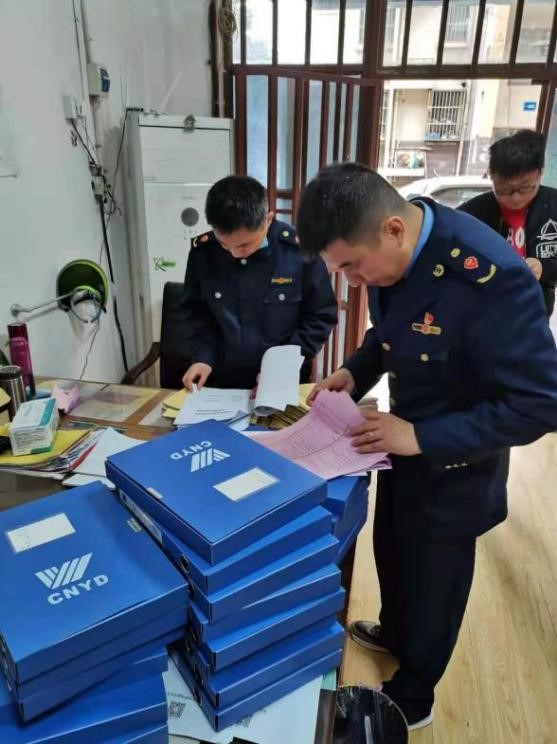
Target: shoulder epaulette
x=203 y=238
x=470 y=264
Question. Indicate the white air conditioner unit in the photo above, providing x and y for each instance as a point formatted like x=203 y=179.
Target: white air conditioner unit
x=172 y=161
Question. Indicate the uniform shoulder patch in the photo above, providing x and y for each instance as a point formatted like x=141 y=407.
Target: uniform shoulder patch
x=469 y=263
x=202 y=239
x=287 y=234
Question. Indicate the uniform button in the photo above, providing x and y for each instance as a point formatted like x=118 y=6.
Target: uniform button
x=386 y=346
x=392 y=402
x=392 y=375
x=424 y=357
x=243 y=261
x=218 y=295
x=285 y=233
x=281 y=297
x=455 y=253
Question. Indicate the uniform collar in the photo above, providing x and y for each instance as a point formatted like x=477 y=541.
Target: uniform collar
x=425 y=232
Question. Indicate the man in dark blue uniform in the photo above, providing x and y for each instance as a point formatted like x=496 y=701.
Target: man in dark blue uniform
x=459 y=327
x=247 y=289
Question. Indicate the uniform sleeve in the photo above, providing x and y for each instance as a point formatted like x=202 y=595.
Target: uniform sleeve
x=318 y=311
x=365 y=364
x=514 y=352
x=199 y=322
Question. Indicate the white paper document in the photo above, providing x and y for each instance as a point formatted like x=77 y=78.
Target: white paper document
x=214 y=404
x=277 y=388
x=290 y=720
x=92 y=468
x=278 y=380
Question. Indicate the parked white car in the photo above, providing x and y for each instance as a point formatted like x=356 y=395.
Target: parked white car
x=449 y=190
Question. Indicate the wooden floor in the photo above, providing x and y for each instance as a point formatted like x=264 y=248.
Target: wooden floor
x=501 y=684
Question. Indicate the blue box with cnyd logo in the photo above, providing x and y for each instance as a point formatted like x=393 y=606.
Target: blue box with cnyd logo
x=79 y=575
x=215 y=489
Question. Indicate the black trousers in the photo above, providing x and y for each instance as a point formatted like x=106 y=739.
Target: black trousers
x=424 y=583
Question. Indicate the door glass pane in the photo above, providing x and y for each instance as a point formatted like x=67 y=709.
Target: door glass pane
x=259 y=33
x=394 y=33
x=497 y=31
x=257 y=124
x=535 y=30
x=354 y=29
x=460 y=32
x=441 y=130
x=291 y=31
x=426 y=20
x=324 y=31
x=285 y=130
x=314 y=128
x=236 y=43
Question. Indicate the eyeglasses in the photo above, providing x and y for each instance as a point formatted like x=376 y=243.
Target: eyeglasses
x=523 y=190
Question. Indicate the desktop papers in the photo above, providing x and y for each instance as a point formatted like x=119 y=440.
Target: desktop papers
x=278 y=380
x=214 y=404
x=92 y=467
x=277 y=389
x=291 y=719
x=319 y=441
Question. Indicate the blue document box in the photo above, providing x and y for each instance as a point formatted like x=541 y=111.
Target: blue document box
x=316 y=585
x=268 y=579
x=355 y=516
x=156 y=735
x=301 y=531
x=220 y=719
x=54 y=694
x=174 y=621
x=91 y=717
x=215 y=489
x=77 y=571
x=234 y=646
x=343 y=492
x=349 y=539
x=239 y=681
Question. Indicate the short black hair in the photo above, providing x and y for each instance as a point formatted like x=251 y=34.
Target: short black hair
x=236 y=202
x=347 y=201
x=522 y=152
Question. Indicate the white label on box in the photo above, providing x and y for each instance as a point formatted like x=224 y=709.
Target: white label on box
x=38 y=533
x=245 y=484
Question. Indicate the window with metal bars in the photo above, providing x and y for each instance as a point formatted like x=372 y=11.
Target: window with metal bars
x=458 y=23
x=445 y=112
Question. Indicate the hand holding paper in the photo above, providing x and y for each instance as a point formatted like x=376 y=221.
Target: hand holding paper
x=321 y=441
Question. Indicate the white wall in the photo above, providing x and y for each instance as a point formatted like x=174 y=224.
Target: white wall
x=48 y=215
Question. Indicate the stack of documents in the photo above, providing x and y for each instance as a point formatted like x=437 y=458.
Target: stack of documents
x=85 y=594
x=347 y=500
x=130 y=706
x=247 y=528
x=91 y=468
x=69 y=447
x=321 y=443
x=232 y=407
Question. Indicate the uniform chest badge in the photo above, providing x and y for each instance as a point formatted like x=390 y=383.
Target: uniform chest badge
x=282 y=280
x=427 y=326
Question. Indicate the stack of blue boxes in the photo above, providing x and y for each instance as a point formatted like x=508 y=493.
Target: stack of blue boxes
x=248 y=529
x=88 y=606
x=347 y=500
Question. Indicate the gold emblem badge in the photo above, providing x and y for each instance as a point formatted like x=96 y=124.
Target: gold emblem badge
x=427 y=326
x=282 y=280
x=439 y=270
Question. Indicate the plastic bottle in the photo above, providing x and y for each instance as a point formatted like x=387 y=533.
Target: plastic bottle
x=20 y=354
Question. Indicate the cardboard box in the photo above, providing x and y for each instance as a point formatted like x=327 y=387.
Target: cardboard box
x=34 y=427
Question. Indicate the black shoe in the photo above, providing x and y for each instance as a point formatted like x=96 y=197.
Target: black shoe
x=368 y=634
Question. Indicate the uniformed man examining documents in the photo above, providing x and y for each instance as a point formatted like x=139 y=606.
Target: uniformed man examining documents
x=247 y=288
x=459 y=327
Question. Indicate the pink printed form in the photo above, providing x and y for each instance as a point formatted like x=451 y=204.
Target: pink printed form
x=319 y=442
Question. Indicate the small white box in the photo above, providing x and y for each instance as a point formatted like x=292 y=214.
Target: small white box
x=34 y=427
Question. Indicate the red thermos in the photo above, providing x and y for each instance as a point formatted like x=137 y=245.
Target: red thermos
x=21 y=355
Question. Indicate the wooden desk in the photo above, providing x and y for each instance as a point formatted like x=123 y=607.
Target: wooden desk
x=19 y=489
